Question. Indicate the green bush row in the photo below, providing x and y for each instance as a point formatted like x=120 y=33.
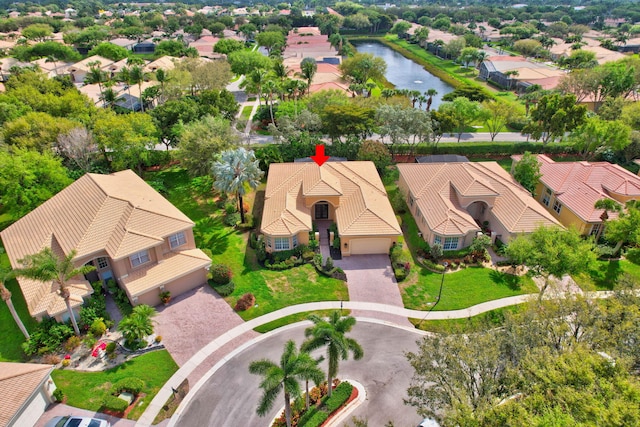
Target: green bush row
x=339 y=396
x=114 y=403
x=472 y=149
x=224 y=290
x=131 y=384
x=314 y=417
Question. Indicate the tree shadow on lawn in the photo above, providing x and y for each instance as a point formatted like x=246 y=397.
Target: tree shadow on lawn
x=503 y=279
x=606 y=274
x=213 y=235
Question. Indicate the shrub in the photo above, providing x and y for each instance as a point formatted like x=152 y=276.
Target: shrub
x=336 y=243
x=328 y=264
x=436 y=251
x=111 y=347
x=398 y=203
x=114 y=404
x=317 y=260
x=395 y=253
x=231 y=220
x=400 y=274
x=433 y=265
x=51 y=359
x=158 y=338
x=66 y=362
x=98 y=327
x=72 y=343
x=47 y=337
x=313 y=245
x=131 y=384
x=339 y=396
x=248 y=222
x=230 y=208
x=253 y=240
x=308 y=256
x=202 y=185
x=225 y=290
x=58 y=395
x=221 y=274
x=245 y=302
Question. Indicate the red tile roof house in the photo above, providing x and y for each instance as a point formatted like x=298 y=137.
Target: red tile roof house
x=27 y=392
x=123 y=227
x=569 y=190
x=450 y=202
x=349 y=193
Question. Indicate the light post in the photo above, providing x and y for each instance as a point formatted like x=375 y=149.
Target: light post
x=445 y=265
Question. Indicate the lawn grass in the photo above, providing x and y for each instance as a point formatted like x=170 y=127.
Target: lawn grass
x=604 y=274
x=482 y=322
x=298 y=317
x=87 y=390
x=246 y=112
x=273 y=289
x=11 y=338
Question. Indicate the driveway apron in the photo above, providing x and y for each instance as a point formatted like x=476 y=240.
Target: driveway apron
x=370 y=279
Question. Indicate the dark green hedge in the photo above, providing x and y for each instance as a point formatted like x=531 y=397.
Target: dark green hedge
x=114 y=403
x=473 y=149
x=317 y=415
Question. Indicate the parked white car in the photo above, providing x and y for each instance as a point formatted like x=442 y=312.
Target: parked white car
x=71 y=421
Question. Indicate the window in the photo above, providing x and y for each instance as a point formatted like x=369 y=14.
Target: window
x=295 y=240
x=140 y=258
x=437 y=240
x=282 y=243
x=450 y=243
x=177 y=239
x=411 y=200
x=595 y=229
x=102 y=263
x=546 y=197
x=557 y=206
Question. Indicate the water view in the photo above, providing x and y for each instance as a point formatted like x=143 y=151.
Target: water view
x=404 y=73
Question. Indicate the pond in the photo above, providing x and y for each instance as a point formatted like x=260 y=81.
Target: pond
x=404 y=73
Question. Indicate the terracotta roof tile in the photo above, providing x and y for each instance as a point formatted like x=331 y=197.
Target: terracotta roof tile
x=19 y=381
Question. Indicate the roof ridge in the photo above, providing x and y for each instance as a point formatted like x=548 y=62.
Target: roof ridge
x=139 y=233
x=127 y=214
x=38 y=367
x=369 y=184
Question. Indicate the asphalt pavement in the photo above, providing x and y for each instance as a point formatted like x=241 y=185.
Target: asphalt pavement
x=229 y=396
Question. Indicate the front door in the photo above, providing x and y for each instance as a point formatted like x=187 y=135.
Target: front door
x=322 y=211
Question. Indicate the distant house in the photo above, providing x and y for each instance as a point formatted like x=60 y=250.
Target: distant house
x=120 y=225
x=79 y=70
x=27 y=392
x=350 y=194
x=453 y=202
x=123 y=42
x=516 y=72
x=165 y=63
x=569 y=190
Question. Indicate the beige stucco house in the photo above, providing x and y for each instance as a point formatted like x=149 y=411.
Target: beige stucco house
x=349 y=193
x=27 y=392
x=451 y=201
x=123 y=227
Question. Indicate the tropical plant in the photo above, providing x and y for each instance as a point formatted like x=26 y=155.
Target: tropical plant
x=236 y=169
x=138 y=325
x=46 y=266
x=294 y=366
x=308 y=69
x=330 y=332
x=607 y=205
x=5 y=294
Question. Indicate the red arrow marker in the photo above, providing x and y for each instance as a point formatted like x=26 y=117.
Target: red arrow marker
x=319 y=158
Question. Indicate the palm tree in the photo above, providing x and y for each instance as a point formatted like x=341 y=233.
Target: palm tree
x=110 y=97
x=430 y=93
x=255 y=80
x=331 y=333
x=308 y=69
x=293 y=366
x=162 y=77
x=54 y=60
x=95 y=75
x=138 y=76
x=138 y=325
x=236 y=169
x=607 y=205
x=413 y=96
x=270 y=87
x=46 y=266
x=5 y=294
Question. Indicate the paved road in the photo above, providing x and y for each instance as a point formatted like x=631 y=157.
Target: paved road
x=229 y=397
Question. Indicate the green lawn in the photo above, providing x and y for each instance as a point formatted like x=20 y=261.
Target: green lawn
x=298 y=317
x=462 y=289
x=246 y=112
x=10 y=336
x=273 y=289
x=605 y=274
x=485 y=321
x=87 y=390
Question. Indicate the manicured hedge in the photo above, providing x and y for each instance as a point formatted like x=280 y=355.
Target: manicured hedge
x=114 y=403
x=132 y=385
x=471 y=149
x=315 y=416
x=339 y=396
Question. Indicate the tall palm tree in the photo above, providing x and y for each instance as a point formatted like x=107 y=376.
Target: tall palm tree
x=162 y=77
x=308 y=69
x=46 y=266
x=331 y=332
x=110 y=97
x=95 y=75
x=293 y=366
x=236 y=169
x=270 y=87
x=54 y=60
x=137 y=76
x=430 y=94
x=5 y=294
x=607 y=205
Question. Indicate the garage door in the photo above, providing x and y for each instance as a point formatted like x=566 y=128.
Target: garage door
x=370 y=246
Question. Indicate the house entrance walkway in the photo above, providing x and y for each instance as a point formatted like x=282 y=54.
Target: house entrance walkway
x=370 y=279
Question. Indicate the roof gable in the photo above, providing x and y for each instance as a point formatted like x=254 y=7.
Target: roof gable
x=20 y=381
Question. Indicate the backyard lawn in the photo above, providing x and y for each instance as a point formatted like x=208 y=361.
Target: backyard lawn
x=273 y=289
x=605 y=274
x=12 y=338
x=87 y=390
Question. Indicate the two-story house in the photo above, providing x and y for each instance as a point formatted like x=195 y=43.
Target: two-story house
x=569 y=190
x=349 y=193
x=120 y=225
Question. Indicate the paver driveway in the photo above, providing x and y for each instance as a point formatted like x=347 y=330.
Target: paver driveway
x=194 y=319
x=370 y=279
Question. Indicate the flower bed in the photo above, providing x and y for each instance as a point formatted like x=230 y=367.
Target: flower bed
x=322 y=406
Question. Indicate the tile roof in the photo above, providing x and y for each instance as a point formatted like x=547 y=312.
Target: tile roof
x=119 y=214
x=172 y=267
x=438 y=189
x=578 y=185
x=19 y=381
x=363 y=210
